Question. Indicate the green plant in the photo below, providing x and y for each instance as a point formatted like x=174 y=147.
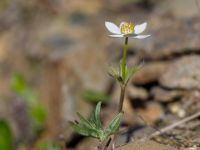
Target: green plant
x=93 y=126
x=6 y=139
x=122 y=74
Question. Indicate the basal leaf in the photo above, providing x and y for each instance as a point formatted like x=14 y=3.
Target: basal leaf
x=114 y=125
x=84 y=121
x=79 y=129
x=97 y=116
x=92 y=119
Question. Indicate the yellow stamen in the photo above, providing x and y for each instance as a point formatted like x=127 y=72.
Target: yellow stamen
x=126 y=27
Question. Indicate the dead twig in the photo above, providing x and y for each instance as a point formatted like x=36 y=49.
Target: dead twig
x=172 y=126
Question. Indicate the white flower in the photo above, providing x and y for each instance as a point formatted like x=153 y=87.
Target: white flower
x=126 y=30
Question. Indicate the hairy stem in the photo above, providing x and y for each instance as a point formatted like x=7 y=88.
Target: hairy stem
x=121 y=100
x=123 y=86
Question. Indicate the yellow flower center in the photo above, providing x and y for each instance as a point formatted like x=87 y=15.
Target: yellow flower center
x=126 y=27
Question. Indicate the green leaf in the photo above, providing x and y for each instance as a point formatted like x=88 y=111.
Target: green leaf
x=6 y=139
x=18 y=83
x=38 y=113
x=97 y=116
x=114 y=125
x=81 y=129
x=85 y=122
x=93 y=126
x=94 y=96
x=114 y=72
x=130 y=73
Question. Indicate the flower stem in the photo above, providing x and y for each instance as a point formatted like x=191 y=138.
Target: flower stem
x=121 y=100
x=123 y=85
x=123 y=64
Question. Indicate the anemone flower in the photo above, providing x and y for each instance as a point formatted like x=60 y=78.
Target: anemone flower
x=127 y=30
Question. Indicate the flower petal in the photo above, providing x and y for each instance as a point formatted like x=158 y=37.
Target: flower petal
x=140 y=28
x=129 y=35
x=141 y=36
x=113 y=28
x=117 y=35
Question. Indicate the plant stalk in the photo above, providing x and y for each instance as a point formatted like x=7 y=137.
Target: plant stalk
x=121 y=100
x=123 y=86
x=123 y=64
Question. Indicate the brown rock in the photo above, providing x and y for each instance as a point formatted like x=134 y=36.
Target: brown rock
x=173 y=30
x=191 y=100
x=152 y=112
x=175 y=37
x=112 y=108
x=145 y=145
x=86 y=73
x=92 y=7
x=177 y=109
x=88 y=144
x=163 y=95
x=111 y=112
x=176 y=8
x=182 y=72
x=137 y=93
x=150 y=73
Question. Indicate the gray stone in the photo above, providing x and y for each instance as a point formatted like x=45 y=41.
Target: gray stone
x=163 y=95
x=171 y=33
x=137 y=93
x=145 y=145
x=150 y=72
x=181 y=74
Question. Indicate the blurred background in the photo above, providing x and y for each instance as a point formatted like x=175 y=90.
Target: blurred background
x=54 y=59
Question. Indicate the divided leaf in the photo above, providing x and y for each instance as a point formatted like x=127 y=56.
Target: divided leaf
x=114 y=124
x=93 y=126
x=84 y=121
x=81 y=129
x=130 y=72
x=117 y=73
x=97 y=116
